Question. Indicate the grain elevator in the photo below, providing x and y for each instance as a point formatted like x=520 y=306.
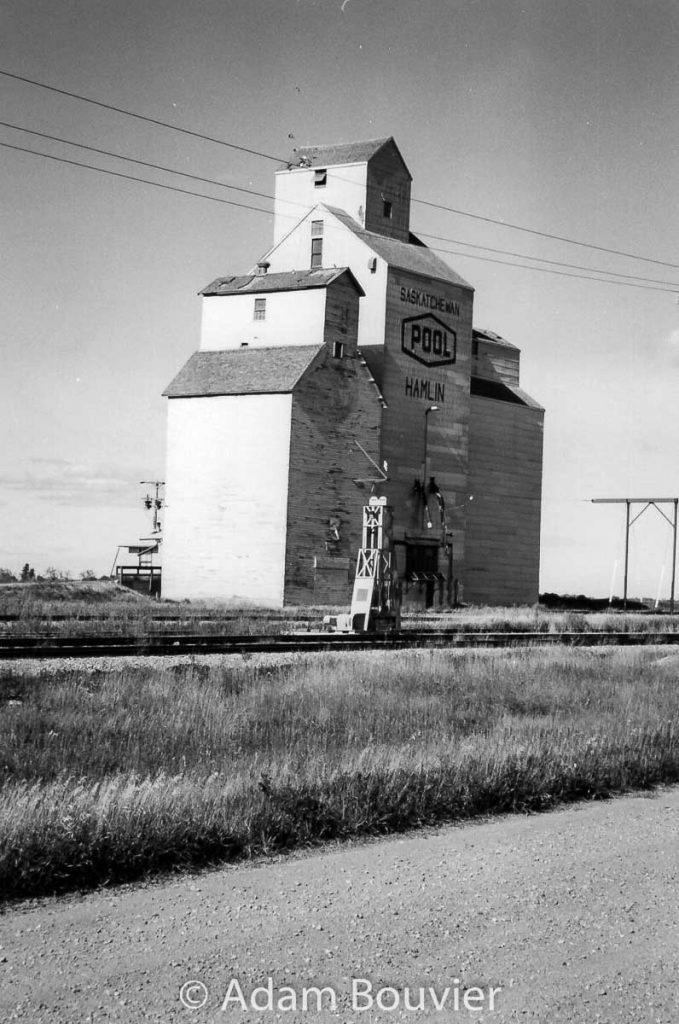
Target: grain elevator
x=346 y=362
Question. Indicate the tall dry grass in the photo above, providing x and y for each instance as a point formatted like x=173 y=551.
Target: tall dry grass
x=538 y=619
x=108 y=776
x=103 y=607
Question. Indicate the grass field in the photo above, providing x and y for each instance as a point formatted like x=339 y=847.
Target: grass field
x=67 y=608
x=111 y=775
x=104 y=607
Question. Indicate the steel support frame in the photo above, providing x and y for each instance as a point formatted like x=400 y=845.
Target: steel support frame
x=629 y=522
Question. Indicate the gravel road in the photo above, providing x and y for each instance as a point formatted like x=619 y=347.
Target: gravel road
x=572 y=915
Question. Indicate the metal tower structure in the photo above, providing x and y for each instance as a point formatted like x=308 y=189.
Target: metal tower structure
x=647 y=503
x=376 y=601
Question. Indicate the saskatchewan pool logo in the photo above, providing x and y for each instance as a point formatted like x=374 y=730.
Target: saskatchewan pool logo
x=428 y=340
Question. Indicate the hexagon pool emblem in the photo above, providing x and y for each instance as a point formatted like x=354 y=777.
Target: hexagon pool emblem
x=428 y=340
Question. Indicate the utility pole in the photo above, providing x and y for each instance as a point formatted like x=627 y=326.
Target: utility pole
x=647 y=503
x=425 y=511
x=627 y=514
x=155 y=503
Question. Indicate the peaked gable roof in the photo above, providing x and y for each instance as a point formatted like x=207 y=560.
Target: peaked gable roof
x=292 y=280
x=242 y=371
x=413 y=256
x=341 y=153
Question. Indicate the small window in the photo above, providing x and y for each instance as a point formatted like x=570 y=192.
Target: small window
x=316 y=253
x=338 y=350
x=317 y=229
x=260 y=309
x=387 y=209
x=320 y=178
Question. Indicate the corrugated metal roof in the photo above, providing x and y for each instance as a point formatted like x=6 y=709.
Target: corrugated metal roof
x=243 y=371
x=483 y=335
x=339 y=153
x=413 y=256
x=291 y=280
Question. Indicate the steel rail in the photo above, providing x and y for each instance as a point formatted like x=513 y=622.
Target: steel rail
x=42 y=647
x=108 y=617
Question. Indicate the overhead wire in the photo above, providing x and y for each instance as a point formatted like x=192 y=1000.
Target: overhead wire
x=142 y=117
x=132 y=177
x=543 y=259
x=134 y=160
x=264 y=195
x=270 y=156
x=544 y=234
x=673 y=289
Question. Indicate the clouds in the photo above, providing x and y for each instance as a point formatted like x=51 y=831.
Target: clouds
x=65 y=482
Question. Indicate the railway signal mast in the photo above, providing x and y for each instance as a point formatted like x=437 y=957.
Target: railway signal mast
x=376 y=600
x=376 y=603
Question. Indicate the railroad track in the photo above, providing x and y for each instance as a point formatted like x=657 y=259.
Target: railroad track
x=220 y=616
x=35 y=646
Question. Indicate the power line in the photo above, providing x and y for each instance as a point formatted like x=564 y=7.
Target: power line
x=269 y=156
x=142 y=117
x=132 y=177
x=143 y=163
x=543 y=259
x=134 y=160
x=245 y=206
x=561 y=273
x=258 y=209
x=265 y=195
x=544 y=234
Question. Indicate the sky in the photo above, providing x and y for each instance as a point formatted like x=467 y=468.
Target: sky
x=556 y=115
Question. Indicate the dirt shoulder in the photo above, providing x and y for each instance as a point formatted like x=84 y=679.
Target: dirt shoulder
x=573 y=915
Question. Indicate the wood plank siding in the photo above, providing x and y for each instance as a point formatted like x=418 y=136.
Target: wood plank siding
x=496 y=361
x=226 y=498
x=409 y=388
x=333 y=406
x=503 y=519
x=341 y=314
x=388 y=181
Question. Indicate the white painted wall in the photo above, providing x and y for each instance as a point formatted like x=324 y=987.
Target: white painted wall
x=226 y=498
x=341 y=248
x=292 y=318
x=295 y=194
